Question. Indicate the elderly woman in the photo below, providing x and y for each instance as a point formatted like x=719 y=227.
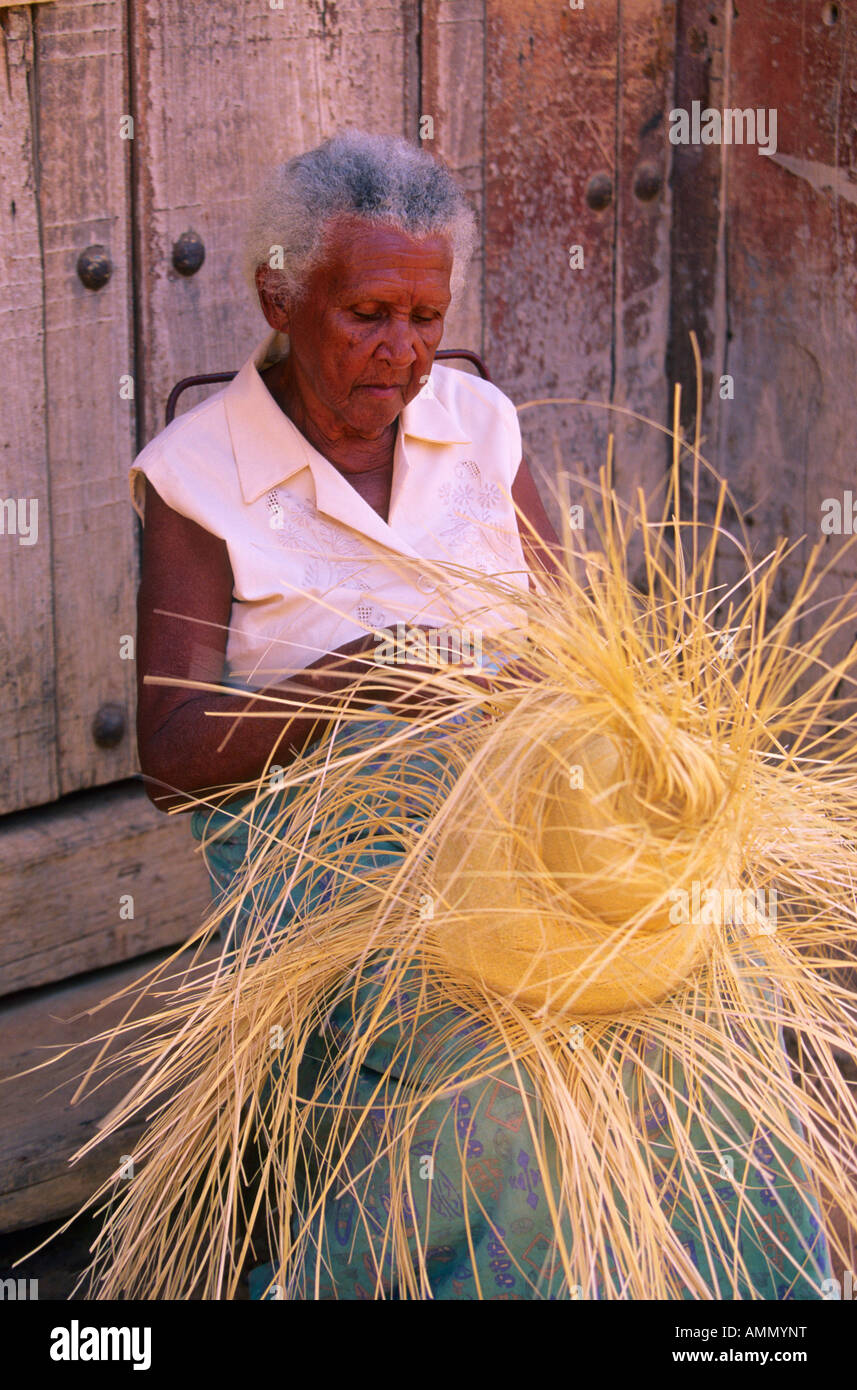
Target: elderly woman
x=297 y=512
x=338 y=431
x=288 y=518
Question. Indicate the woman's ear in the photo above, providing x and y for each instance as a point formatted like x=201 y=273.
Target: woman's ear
x=273 y=297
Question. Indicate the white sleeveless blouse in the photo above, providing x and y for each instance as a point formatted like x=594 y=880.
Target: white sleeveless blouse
x=314 y=565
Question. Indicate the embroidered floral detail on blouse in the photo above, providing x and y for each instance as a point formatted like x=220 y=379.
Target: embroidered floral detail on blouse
x=473 y=539
x=335 y=558
x=468 y=493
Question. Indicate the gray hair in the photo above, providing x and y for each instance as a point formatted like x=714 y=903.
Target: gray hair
x=381 y=178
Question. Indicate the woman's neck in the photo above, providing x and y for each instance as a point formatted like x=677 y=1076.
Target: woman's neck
x=350 y=456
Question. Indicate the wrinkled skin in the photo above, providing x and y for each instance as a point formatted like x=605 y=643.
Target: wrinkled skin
x=372 y=314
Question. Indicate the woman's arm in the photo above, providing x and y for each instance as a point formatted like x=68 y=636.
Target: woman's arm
x=542 y=551
x=186 y=571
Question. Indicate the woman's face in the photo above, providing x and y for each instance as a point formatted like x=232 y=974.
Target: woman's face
x=363 y=339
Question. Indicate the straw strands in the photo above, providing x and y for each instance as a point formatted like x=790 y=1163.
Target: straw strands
x=616 y=892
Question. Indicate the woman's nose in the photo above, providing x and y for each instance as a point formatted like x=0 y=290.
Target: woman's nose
x=397 y=345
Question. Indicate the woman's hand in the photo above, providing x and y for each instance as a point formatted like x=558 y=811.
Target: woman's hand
x=415 y=688
x=412 y=688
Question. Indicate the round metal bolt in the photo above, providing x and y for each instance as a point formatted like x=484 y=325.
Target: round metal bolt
x=94 y=267
x=599 y=193
x=830 y=15
x=188 y=253
x=108 y=726
x=647 y=182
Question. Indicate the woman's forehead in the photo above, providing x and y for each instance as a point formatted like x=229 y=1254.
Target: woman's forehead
x=365 y=256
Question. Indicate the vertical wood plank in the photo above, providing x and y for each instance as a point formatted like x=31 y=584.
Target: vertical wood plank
x=28 y=773
x=550 y=177
x=645 y=76
x=452 y=95
x=698 y=233
x=573 y=139
x=224 y=91
x=83 y=194
x=412 y=41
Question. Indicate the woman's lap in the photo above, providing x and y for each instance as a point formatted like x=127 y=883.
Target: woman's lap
x=477 y=1213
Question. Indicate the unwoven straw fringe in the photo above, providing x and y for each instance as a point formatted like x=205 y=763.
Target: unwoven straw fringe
x=725 y=756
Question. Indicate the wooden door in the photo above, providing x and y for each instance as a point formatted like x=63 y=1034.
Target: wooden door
x=764 y=272
x=67 y=426
x=114 y=144
x=555 y=117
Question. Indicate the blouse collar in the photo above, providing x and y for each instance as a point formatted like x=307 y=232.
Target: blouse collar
x=269 y=448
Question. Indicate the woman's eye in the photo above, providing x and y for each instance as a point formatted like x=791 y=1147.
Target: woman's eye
x=367 y=317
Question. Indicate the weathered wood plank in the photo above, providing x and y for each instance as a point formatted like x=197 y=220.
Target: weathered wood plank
x=550 y=130
x=698 y=283
x=28 y=771
x=642 y=279
x=39 y=1127
x=452 y=96
x=83 y=196
x=225 y=91
x=64 y=870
